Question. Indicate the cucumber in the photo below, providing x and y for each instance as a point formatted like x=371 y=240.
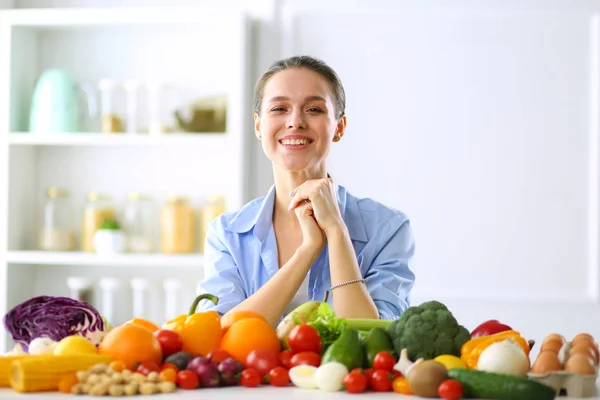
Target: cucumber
x=487 y=385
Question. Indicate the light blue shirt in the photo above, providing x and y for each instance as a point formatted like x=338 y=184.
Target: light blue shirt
x=240 y=254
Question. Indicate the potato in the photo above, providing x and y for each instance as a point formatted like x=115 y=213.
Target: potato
x=425 y=377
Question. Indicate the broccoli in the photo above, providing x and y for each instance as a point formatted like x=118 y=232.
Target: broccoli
x=427 y=331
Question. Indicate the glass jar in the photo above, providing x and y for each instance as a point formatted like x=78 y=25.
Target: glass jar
x=111 y=120
x=213 y=207
x=98 y=208
x=177 y=224
x=57 y=232
x=138 y=223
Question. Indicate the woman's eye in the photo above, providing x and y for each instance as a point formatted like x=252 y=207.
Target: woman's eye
x=315 y=110
x=277 y=109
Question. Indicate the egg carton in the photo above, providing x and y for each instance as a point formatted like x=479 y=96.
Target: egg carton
x=573 y=385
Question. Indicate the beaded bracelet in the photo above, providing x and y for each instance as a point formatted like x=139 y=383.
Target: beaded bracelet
x=342 y=284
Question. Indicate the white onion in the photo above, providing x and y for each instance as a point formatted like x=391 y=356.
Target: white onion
x=504 y=357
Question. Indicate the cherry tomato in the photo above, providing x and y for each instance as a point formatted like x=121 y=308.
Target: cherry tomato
x=306 y=357
x=450 y=389
x=168 y=375
x=262 y=360
x=279 y=377
x=146 y=367
x=218 y=355
x=305 y=338
x=355 y=382
x=187 y=379
x=170 y=342
x=400 y=385
x=250 y=377
x=369 y=374
x=358 y=371
x=380 y=381
x=169 y=365
x=396 y=374
x=285 y=358
x=383 y=360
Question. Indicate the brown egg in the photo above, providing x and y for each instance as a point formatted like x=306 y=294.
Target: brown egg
x=546 y=361
x=585 y=349
x=580 y=364
x=553 y=337
x=552 y=345
x=582 y=336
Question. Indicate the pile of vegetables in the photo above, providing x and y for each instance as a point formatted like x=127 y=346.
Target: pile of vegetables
x=54 y=318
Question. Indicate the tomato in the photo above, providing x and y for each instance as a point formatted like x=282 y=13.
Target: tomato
x=170 y=342
x=146 y=367
x=369 y=374
x=169 y=365
x=306 y=357
x=380 y=381
x=355 y=382
x=400 y=385
x=279 y=377
x=218 y=355
x=396 y=374
x=262 y=360
x=450 y=389
x=305 y=338
x=285 y=358
x=383 y=360
x=250 y=377
x=358 y=371
x=187 y=379
x=168 y=375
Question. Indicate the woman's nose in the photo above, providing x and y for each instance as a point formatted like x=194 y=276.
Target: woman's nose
x=296 y=121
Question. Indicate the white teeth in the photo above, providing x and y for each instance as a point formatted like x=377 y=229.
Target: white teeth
x=294 y=142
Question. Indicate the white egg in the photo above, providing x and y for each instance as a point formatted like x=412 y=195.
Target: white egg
x=330 y=376
x=303 y=376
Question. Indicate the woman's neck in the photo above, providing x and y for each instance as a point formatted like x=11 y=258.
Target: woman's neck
x=285 y=182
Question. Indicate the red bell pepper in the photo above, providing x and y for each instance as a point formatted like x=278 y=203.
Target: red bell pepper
x=489 y=328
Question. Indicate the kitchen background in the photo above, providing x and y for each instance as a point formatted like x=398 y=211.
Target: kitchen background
x=479 y=120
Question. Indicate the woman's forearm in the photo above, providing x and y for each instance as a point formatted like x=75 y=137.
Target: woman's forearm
x=273 y=297
x=354 y=300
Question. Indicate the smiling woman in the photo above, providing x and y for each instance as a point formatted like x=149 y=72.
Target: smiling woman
x=308 y=236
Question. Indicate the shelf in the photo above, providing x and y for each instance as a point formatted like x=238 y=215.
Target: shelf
x=104 y=139
x=91 y=259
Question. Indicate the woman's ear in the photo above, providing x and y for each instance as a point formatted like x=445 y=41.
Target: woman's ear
x=257 y=126
x=340 y=129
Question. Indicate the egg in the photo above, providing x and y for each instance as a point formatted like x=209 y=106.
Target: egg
x=585 y=349
x=582 y=336
x=546 y=361
x=580 y=364
x=303 y=376
x=554 y=337
x=552 y=345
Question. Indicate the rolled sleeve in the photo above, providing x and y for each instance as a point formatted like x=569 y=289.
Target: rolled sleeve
x=390 y=278
x=221 y=274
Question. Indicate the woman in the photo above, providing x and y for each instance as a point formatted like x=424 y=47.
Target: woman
x=308 y=235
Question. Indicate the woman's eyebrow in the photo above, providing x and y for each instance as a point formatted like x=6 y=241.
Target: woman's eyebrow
x=286 y=98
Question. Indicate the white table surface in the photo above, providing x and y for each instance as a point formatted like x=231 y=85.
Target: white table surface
x=234 y=393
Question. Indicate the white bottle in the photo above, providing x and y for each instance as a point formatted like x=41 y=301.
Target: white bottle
x=110 y=288
x=173 y=298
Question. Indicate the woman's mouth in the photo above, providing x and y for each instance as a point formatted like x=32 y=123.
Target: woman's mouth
x=295 y=142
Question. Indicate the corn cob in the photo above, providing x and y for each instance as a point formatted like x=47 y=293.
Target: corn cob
x=44 y=372
x=5 y=363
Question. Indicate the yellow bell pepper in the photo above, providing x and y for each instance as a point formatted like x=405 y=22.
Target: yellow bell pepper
x=200 y=332
x=473 y=348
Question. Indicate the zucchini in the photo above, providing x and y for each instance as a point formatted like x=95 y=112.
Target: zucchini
x=487 y=385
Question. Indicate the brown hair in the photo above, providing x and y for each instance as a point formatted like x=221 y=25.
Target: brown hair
x=310 y=63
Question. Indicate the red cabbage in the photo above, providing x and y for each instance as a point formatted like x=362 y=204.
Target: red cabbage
x=54 y=318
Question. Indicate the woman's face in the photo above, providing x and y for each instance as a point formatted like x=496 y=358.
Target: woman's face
x=298 y=120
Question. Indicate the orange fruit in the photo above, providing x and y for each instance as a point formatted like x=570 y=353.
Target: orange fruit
x=235 y=316
x=249 y=334
x=145 y=323
x=131 y=344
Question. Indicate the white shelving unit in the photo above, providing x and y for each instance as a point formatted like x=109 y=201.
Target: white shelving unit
x=200 y=51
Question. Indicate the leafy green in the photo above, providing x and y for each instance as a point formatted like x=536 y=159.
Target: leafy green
x=110 y=224
x=327 y=324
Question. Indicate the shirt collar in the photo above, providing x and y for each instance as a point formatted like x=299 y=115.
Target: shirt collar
x=258 y=215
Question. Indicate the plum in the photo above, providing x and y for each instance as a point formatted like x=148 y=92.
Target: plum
x=208 y=374
x=230 y=370
x=199 y=360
